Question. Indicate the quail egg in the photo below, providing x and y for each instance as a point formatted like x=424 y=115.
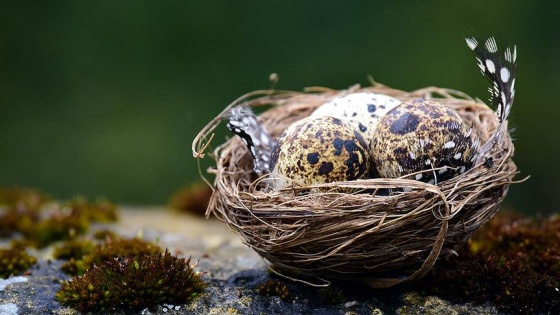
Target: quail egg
x=421 y=135
x=319 y=150
x=363 y=110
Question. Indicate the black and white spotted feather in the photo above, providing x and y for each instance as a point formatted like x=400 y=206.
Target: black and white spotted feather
x=243 y=122
x=499 y=67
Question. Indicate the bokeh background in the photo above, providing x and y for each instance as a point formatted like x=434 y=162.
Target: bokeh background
x=103 y=98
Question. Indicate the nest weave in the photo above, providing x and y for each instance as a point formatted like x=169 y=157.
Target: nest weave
x=372 y=237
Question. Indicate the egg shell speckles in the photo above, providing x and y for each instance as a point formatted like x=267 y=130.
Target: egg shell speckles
x=421 y=135
x=362 y=110
x=319 y=150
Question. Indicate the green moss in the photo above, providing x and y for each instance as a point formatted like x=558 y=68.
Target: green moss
x=22 y=197
x=534 y=241
x=331 y=295
x=14 y=261
x=134 y=282
x=109 y=250
x=24 y=214
x=18 y=218
x=274 y=288
x=103 y=235
x=74 y=248
x=72 y=267
x=56 y=227
x=512 y=261
x=101 y=210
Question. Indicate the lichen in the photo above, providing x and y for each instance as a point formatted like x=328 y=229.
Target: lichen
x=133 y=283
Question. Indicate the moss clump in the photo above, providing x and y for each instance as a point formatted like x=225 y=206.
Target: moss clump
x=17 y=218
x=74 y=248
x=533 y=241
x=24 y=215
x=274 y=288
x=72 y=267
x=22 y=197
x=58 y=226
x=192 y=199
x=133 y=283
x=108 y=250
x=14 y=261
x=100 y=210
x=102 y=235
x=331 y=295
x=512 y=261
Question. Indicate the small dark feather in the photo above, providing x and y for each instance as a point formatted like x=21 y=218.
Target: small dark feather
x=243 y=122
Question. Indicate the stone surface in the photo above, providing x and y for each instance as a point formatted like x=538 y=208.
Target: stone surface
x=233 y=272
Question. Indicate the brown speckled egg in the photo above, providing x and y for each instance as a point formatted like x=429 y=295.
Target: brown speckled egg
x=319 y=150
x=422 y=135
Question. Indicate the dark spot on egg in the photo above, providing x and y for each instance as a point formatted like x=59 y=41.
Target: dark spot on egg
x=300 y=167
x=371 y=108
x=362 y=127
x=337 y=121
x=325 y=168
x=313 y=158
x=338 y=145
x=406 y=123
x=434 y=115
x=350 y=145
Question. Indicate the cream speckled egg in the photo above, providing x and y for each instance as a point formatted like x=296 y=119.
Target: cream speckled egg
x=363 y=110
x=421 y=135
x=319 y=150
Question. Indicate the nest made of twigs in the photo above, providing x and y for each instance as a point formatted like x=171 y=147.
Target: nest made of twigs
x=373 y=237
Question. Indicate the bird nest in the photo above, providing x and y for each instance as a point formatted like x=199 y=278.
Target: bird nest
x=387 y=231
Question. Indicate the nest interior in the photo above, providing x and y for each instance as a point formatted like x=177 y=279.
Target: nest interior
x=369 y=236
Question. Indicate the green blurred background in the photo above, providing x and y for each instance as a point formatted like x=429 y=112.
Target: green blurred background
x=105 y=97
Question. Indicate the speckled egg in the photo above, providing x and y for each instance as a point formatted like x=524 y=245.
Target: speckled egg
x=319 y=150
x=362 y=110
x=421 y=135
